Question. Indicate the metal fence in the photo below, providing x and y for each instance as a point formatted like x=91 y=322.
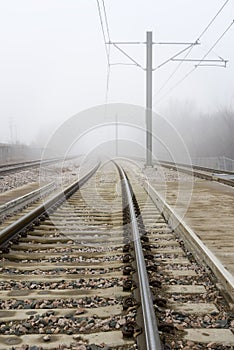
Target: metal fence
x=221 y=163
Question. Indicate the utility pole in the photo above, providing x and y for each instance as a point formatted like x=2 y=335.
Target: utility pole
x=149 y=71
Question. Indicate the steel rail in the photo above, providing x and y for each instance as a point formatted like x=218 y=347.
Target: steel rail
x=27 y=162
x=7 y=168
x=17 y=203
x=19 y=226
x=150 y=323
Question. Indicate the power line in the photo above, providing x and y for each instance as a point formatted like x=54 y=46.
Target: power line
x=107 y=48
x=191 y=48
x=106 y=20
x=199 y=64
x=108 y=81
x=178 y=83
x=103 y=32
x=217 y=41
x=213 y=19
x=174 y=71
x=215 y=53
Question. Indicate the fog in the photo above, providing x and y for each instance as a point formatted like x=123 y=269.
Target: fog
x=53 y=66
x=205 y=134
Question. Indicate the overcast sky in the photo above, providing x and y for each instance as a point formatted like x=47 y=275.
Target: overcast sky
x=53 y=62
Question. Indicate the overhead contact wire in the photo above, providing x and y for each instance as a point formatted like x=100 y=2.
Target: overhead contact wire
x=103 y=31
x=217 y=41
x=192 y=70
x=107 y=49
x=106 y=20
x=191 y=48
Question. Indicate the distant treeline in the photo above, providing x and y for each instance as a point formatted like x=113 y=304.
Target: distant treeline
x=205 y=135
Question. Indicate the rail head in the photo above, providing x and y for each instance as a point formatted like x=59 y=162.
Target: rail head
x=152 y=338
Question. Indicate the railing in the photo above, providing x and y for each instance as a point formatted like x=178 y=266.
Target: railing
x=220 y=163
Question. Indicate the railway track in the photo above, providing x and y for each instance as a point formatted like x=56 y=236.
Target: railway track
x=11 y=207
x=26 y=188
x=14 y=167
x=92 y=269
